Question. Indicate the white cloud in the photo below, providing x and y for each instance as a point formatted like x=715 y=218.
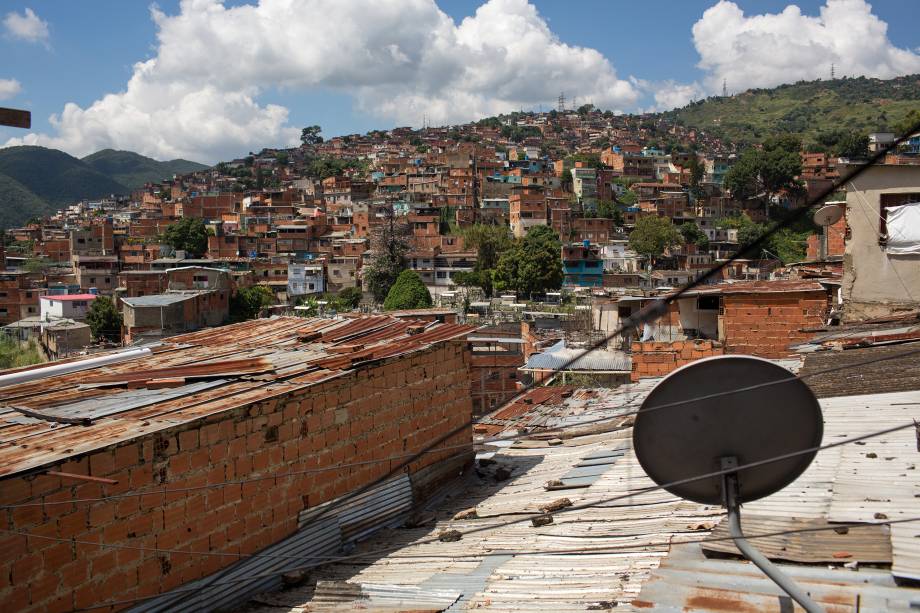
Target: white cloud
x=27 y=26
x=671 y=94
x=199 y=96
x=9 y=88
x=770 y=49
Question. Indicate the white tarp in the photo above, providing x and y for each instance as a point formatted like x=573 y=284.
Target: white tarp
x=903 y=224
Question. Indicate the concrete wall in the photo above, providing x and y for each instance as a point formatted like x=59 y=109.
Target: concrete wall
x=874 y=281
x=394 y=407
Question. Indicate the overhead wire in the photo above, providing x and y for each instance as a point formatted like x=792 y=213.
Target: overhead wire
x=648 y=313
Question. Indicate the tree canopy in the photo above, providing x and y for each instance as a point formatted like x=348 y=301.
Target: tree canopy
x=310 y=135
x=390 y=246
x=248 y=302
x=104 y=320
x=652 y=235
x=693 y=234
x=532 y=264
x=763 y=173
x=189 y=234
x=407 y=293
x=489 y=241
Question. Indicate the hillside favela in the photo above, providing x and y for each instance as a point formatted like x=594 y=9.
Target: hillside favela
x=436 y=305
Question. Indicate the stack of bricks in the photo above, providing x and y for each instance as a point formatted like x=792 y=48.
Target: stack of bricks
x=656 y=359
x=768 y=324
x=396 y=406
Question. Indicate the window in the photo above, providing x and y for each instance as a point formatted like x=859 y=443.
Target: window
x=28 y=294
x=887 y=200
x=707 y=303
x=311 y=286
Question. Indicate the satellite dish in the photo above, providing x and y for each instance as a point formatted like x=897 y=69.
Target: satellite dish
x=718 y=428
x=828 y=215
x=684 y=441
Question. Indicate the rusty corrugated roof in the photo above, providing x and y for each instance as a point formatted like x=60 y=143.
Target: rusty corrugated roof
x=55 y=418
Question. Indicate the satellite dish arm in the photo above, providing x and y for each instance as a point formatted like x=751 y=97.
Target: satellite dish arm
x=730 y=490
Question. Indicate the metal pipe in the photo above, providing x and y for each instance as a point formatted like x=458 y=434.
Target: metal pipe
x=62 y=369
x=730 y=485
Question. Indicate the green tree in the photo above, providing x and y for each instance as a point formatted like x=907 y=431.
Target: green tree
x=310 y=135
x=407 y=293
x=692 y=234
x=532 y=265
x=697 y=170
x=489 y=241
x=853 y=145
x=350 y=297
x=763 y=173
x=610 y=210
x=104 y=320
x=908 y=124
x=248 y=302
x=652 y=235
x=189 y=234
x=390 y=246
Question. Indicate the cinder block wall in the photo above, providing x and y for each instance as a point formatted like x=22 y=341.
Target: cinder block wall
x=656 y=359
x=393 y=407
x=766 y=325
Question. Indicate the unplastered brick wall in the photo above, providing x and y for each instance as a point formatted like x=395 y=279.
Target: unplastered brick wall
x=768 y=324
x=393 y=407
x=656 y=358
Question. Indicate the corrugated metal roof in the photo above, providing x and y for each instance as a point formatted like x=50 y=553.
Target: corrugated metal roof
x=687 y=581
x=559 y=355
x=645 y=525
x=255 y=359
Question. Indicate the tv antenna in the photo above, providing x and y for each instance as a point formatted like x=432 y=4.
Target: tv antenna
x=561 y=102
x=827 y=215
x=724 y=88
x=832 y=71
x=723 y=433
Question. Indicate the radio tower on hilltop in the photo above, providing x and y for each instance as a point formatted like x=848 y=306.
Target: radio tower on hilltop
x=724 y=88
x=832 y=71
x=561 y=102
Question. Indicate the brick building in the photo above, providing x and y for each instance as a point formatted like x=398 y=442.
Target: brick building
x=496 y=354
x=233 y=407
x=762 y=318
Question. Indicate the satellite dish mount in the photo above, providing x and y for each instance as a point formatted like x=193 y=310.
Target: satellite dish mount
x=730 y=441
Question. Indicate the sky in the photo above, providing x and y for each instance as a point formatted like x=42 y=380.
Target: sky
x=208 y=80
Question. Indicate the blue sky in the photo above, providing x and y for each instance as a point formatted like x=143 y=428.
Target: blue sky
x=91 y=47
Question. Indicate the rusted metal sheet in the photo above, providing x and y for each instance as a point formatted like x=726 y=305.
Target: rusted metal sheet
x=381 y=597
x=687 y=581
x=869 y=544
x=255 y=360
x=221 y=368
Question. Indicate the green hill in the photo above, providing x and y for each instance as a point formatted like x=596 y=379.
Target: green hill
x=18 y=204
x=55 y=177
x=806 y=108
x=134 y=170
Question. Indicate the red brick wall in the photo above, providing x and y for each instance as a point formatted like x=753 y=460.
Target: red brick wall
x=836 y=240
x=656 y=359
x=493 y=378
x=392 y=408
x=766 y=325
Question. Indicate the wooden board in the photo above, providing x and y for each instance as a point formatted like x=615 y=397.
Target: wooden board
x=15 y=118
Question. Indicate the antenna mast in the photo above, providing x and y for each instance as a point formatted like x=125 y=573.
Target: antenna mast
x=561 y=102
x=724 y=88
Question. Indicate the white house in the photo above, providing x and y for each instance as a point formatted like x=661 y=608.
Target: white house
x=305 y=279
x=70 y=306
